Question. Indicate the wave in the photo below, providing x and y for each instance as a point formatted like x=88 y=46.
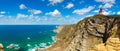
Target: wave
x=43 y=46
x=40 y=46
x=14 y=46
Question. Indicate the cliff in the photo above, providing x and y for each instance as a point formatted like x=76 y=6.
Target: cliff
x=87 y=34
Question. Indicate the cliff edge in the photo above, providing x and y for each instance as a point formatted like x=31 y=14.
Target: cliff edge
x=87 y=33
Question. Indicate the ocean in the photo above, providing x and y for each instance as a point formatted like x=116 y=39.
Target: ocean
x=26 y=37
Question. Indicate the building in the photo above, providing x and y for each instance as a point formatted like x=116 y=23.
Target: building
x=100 y=11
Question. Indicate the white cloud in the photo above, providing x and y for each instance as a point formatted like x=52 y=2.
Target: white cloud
x=33 y=11
x=83 y=10
x=118 y=13
x=21 y=16
x=113 y=13
x=27 y=19
x=2 y=12
x=67 y=16
x=22 y=6
x=37 y=19
x=106 y=12
x=96 y=11
x=22 y=19
x=70 y=5
x=1 y=15
x=53 y=2
x=89 y=15
x=55 y=13
x=107 y=3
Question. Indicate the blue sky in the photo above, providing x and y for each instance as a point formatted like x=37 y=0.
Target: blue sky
x=53 y=11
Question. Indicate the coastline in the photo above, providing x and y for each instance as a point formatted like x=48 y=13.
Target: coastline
x=56 y=30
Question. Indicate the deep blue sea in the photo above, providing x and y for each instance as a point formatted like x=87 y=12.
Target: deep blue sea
x=26 y=37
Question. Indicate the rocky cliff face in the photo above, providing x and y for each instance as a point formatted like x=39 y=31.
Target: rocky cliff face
x=87 y=33
x=112 y=44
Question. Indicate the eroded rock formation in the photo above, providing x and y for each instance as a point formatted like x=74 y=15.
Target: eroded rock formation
x=112 y=44
x=87 y=33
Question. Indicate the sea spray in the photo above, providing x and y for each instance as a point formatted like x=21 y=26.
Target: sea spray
x=43 y=46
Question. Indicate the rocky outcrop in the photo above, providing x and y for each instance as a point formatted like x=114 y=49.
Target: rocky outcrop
x=58 y=29
x=87 y=33
x=1 y=47
x=112 y=44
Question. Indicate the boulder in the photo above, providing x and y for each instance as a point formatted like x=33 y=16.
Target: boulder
x=1 y=47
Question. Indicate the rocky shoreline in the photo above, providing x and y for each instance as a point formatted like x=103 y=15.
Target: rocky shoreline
x=58 y=29
x=1 y=47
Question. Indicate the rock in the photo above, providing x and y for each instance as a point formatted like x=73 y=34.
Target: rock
x=59 y=28
x=88 y=33
x=10 y=46
x=1 y=47
x=112 y=44
x=99 y=47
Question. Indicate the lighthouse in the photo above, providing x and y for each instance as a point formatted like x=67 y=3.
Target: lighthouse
x=100 y=11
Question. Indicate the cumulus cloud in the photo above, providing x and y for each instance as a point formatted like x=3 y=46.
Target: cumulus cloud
x=37 y=19
x=21 y=16
x=70 y=5
x=89 y=15
x=96 y=11
x=1 y=15
x=107 y=3
x=33 y=19
x=22 y=6
x=106 y=12
x=2 y=12
x=118 y=13
x=34 y=11
x=53 y=2
x=55 y=13
x=26 y=19
x=83 y=10
x=113 y=13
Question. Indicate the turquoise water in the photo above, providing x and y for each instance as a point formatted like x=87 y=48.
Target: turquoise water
x=26 y=37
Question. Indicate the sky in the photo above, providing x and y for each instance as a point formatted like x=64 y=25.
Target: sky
x=53 y=12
